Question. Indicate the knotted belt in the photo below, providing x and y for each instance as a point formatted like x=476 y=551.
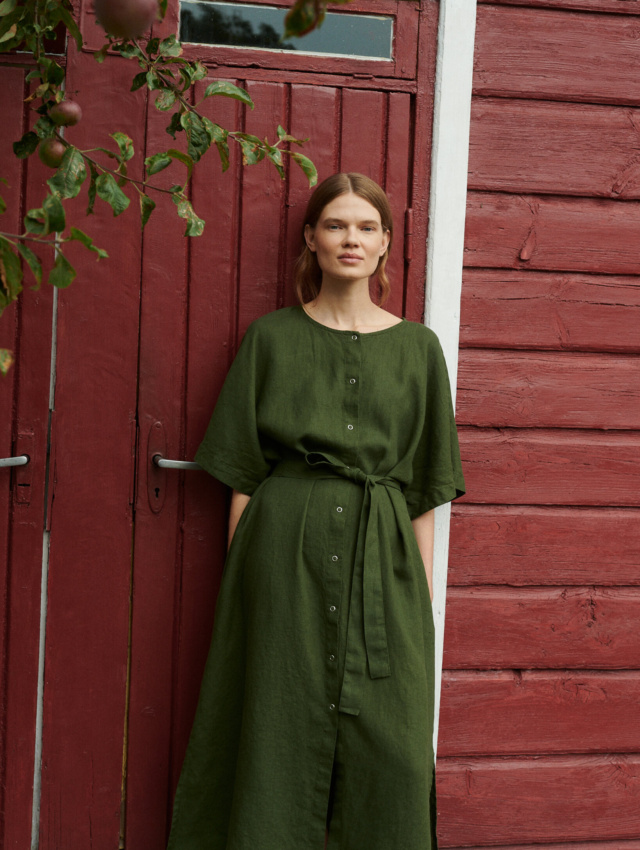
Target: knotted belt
x=366 y=604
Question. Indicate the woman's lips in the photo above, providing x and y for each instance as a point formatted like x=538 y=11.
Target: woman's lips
x=349 y=258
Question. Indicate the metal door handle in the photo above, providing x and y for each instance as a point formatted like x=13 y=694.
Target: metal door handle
x=164 y=463
x=20 y=460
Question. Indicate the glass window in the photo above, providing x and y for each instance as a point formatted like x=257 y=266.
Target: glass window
x=246 y=25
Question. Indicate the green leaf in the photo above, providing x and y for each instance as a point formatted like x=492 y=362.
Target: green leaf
x=198 y=71
x=71 y=174
x=304 y=16
x=55 y=74
x=52 y=205
x=44 y=127
x=7 y=6
x=152 y=45
x=9 y=34
x=198 y=139
x=224 y=89
x=138 y=81
x=308 y=167
x=170 y=46
x=147 y=206
x=156 y=163
x=125 y=144
x=109 y=191
x=165 y=100
x=283 y=136
x=35 y=221
x=10 y=270
x=87 y=241
x=32 y=261
x=92 y=187
x=70 y=24
x=6 y=360
x=184 y=158
x=3 y=205
x=130 y=51
x=153 y=81
x=275 y=155
x=163 y=9
x=195 y=225
x=252 y=148
x=175 y=125
x=101 y=55
x=219 y=136
x=62 y=273
x=27 y=145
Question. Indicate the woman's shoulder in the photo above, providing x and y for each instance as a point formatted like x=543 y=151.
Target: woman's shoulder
x=423 y=334
x=275 y=322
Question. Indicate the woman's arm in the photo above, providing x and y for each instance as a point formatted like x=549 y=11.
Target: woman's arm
x=423 y=529
x=239 y=502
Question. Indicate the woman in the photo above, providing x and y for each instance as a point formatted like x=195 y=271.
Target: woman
x=335 y=430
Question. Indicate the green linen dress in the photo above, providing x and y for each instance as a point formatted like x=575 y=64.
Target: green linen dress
x=317 y=699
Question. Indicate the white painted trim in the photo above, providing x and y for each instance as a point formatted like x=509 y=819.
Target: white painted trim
x=448 y=198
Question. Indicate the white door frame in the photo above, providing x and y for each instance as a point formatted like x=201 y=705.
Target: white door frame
x=448 y=198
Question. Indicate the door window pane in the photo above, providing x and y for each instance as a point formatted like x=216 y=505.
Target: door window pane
x=245 y=25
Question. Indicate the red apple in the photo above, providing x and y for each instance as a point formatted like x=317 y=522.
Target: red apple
x=126 y=18
x=51 y=152
x=67 y=113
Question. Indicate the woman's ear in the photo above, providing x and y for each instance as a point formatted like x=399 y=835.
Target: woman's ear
x=385 y=242
x=309 y=237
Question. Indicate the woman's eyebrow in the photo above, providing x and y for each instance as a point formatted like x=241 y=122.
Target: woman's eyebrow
x=370 y=221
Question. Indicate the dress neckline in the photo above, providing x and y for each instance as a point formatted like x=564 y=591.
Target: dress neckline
x=313 y=321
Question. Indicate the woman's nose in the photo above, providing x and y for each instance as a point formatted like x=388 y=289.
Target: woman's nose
x=351 y=235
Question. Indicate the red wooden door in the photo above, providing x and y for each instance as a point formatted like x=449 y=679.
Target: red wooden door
x=144 y=342
x=24 y=429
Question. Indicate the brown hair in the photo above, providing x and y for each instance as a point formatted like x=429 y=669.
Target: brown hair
x=307 y=272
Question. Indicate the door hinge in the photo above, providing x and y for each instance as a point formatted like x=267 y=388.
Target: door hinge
x=408 y=235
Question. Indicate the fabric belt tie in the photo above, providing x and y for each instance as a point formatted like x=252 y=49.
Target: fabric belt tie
x=366 y=597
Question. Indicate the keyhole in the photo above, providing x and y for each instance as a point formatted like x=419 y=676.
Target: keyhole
x=157 y=492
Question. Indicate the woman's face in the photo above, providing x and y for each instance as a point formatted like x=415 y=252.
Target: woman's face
x=348 y=239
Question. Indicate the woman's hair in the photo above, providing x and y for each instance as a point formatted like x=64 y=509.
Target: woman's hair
x=307 y=272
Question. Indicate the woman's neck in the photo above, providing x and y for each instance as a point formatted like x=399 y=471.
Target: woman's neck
x=344 y=307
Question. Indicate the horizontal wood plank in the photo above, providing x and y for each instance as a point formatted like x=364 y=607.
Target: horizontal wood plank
x=633 y=844
x=538 y=799
x=619 y=7
x=549 y=310
x=547 y=467
x=530 y=713
x=554 y=148
x=554 y=627
x=537 y=545
x=560 y=234
x=555 y=54
x=532 y=390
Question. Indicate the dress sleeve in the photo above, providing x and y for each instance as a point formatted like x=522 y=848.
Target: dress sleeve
x=230 y=450
x=437 y=470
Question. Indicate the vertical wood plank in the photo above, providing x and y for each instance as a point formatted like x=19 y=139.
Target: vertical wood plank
x=91 y=525
x=211 y=346
x=314 y=114
x=399 y=162
x=162 y=365
x=24 y=402
x=364 y=151
x=262 y=212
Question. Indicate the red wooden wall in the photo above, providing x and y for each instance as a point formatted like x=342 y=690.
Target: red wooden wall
x=539 y=728
x=144 y=340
